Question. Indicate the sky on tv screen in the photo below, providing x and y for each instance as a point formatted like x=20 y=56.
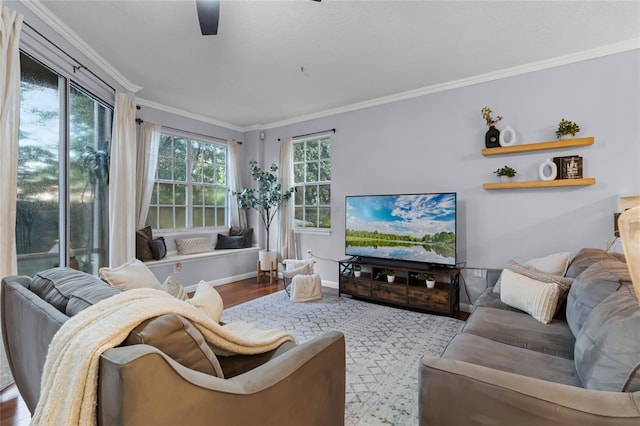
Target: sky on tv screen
x=414 y=215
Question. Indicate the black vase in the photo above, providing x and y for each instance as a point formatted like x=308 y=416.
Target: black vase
x=492 y=138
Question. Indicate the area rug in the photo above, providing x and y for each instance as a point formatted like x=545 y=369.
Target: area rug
x=383 y=348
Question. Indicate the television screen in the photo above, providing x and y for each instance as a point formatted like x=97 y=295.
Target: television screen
x=408 y=227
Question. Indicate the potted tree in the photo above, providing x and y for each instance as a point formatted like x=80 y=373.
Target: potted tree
x=266 y=199
x=505 y=173
x=567 y=128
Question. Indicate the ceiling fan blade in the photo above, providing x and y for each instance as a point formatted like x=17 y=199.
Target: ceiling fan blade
x=208 y=15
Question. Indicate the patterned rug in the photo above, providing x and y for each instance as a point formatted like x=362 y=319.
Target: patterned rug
x=383 y=344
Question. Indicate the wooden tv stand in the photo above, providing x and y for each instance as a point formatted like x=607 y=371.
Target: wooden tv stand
x=406 y=291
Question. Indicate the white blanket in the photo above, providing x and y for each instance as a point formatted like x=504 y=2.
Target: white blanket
x=69 y=381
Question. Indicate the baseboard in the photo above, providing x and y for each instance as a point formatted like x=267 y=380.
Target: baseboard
x=225 y=280
x=330 y=284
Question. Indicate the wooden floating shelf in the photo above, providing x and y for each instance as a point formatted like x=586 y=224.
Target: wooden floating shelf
x=540 y=183
x=539 y=146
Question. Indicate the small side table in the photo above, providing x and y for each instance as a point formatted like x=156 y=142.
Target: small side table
x=271 y=272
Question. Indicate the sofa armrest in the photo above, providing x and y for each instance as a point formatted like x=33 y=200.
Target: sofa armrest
x=487 y=396
x=139 y=385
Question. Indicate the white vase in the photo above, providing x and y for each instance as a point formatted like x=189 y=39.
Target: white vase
x=548 y=170
x=430 y=283
x=508 y=137
x=507 y=178
x=268 y=260
x=391 y=278
x=357 y=273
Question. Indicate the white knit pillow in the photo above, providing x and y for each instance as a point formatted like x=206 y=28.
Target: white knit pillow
x=536 y=298
x=208 y=300
x=194 y=245
x=172 y=286
x=133 y=274
x=553 y=264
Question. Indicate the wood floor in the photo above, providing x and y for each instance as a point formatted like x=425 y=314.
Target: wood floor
x=13 y=411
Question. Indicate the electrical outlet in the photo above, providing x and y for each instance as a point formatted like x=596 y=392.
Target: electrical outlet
x=478 y=273
x=177 y=268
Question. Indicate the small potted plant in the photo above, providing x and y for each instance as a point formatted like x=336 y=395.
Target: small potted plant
x=505 y=173
x=492 y=137
x=390 y=273
x=427 y=277
x=567 y=128
x=356 y=270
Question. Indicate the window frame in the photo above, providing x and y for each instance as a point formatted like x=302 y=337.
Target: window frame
x=317 y=230
x=189 y=184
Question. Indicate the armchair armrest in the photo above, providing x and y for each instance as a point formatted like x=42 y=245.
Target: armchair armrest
x=139 y=385
x=486 y=396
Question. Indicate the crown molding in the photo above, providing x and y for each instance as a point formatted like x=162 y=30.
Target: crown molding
x=187 y=114
x=42 y=12
x=586 y=55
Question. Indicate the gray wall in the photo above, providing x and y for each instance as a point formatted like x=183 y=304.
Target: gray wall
x=433 y=143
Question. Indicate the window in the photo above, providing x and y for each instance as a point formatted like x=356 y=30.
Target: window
x=312 y=179
x=63 y=173
x=190 y=190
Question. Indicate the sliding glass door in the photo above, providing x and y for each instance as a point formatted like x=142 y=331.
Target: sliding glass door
x=63 y=173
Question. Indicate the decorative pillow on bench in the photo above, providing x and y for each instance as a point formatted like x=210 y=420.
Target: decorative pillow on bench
x=194 y=245
x=234 y=242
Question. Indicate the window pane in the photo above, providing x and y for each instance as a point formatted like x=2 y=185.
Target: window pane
x=311 y=195
x=312 y=172
x=324 y=194
x=221 y=175
x=164 y=168
x=38 y=208
x=221 y=197
x=198 y=195
x=180 y=170
x=209 y=195
x=298 y=172
x=299 y=216
x=221 y=216
x=325 y=217
x=166 y=217
x=154 y=194
x=325 y=148
x=90 y=133
x=298 y=151
x=299 y=196
x=166 y=193
x=181 y=197
x=181 y=217
x=325 y=171
x=180 y=149
x=152 y=218
x=311 y=216
x=312 y=150
x=198 y=217
x=166 y=148
x=209 y=216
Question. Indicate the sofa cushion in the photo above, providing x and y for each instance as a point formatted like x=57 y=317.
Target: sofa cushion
x=587 y=257
x=537 y=298
x=57 y=285
x=133 y=274
x=553 y=265
x=478 y=350
x=491 y=299
x=521 y=330
x=172 y=286
x=87 y=296
x=591 y=287
x=607 y=351
x=177 y=338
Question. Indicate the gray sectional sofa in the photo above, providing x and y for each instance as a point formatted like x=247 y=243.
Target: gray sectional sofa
x=506 y=368
x=164 y=373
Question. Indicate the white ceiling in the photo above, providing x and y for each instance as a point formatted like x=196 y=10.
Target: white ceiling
x=275 y=61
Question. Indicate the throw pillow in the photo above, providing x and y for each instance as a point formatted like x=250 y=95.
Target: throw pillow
x=143 y=240
x=553 y=264
x=193 y=245
x=208 y=300
x=225 y=242
x=133 y=274
x=537 y=298
x=174 y=288
x=158 y=248
x=247 y=233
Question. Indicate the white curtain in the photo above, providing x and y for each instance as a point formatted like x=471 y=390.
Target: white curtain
x=122 y=182
x=146 y=164
x=286 y=234
x=10 y=25
x=238 y=215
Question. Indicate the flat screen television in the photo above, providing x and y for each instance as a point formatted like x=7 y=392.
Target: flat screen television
x=407 y=227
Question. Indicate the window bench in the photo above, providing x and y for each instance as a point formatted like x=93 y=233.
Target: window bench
x=216 y=266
